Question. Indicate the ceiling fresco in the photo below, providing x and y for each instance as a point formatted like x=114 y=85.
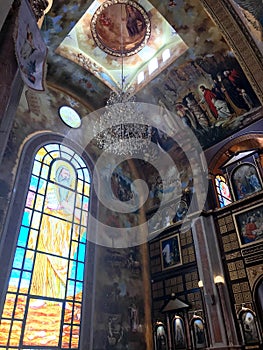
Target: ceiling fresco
x=206 y=60
x=95 y=42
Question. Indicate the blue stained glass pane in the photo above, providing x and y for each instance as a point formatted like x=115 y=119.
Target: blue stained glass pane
x=36 y=168
x=33 y=182
x=79 y=287
x=28 y=265
x=26 y=217
x=71 y=286
x=83 y=238
x=52 y=147
x=14 y=277
x=19 y=256
x=42 y=185
x=22 y=239
x=67 y=150
x=25 y=280
x=86 y=175
x=85 y=202
x=80 y=174
x=80 y=272
x=81 y=252
x=73 y=268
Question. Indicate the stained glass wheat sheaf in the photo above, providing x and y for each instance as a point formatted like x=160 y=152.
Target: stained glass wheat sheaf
x=43 y=302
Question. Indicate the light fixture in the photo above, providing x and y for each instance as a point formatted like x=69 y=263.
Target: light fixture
x=219 y=279
x=200 y=284
x=121 y=129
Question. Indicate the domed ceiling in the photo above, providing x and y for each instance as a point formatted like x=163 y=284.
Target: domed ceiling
x=115 y=37
x=85 y=57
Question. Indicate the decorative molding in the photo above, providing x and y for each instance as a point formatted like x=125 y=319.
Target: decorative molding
x=240 y=40
x=254 y=273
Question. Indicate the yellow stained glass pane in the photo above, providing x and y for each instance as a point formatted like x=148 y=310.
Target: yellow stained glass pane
x=42 y=323
x=9 y=305
x=54 y=236
x=74 y=247
x=79 y=200
x=77 y=313
x=86 y=189
x=47 y=159
x=40 y=154
x=20 y=307
x=68 y=313
x=77 y=215
x=49 y=276
x=66 y=336
x=80 y=186
x=4 y=331
x=76 y=232
x=39 y=203
x=55 y=154
x=16 y=333
x=84 y=218
x=32 y=239
x=75 y=337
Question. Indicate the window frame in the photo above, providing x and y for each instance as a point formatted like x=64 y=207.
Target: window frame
x=11 y=228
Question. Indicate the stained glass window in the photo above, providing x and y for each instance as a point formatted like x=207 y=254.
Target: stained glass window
x=43 y=303
x=223 y=193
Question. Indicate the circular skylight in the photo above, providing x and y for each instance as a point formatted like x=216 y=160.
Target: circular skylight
x=69 y=116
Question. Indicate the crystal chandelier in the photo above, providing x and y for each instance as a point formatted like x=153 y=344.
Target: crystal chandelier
x=121 y=129
x=127 y=134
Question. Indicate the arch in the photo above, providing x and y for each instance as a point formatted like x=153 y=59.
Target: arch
x=44 y=248
x=179 y=336
x=197 y=325
x=248 y=326
x=241 y=143
x=258 y=297
x=160 y=336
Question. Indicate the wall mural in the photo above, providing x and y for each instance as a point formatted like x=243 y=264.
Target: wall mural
x=205 y=87
x=210 y=94
x=119 y=317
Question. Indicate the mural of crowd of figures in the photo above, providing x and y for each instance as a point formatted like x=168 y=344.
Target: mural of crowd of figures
x=119 y=318
x=210 y=94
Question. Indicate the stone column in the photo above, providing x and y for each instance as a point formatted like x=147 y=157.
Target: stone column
x=219 y=317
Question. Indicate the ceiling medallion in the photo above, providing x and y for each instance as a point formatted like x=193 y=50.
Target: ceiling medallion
x=120 y=27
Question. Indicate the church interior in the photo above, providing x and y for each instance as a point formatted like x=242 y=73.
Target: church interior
x=131 y=174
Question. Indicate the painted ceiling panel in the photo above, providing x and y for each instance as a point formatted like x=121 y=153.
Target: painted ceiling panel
x=79 y=46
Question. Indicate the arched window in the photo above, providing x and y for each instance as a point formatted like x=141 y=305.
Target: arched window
x=43 y=303
x=223 y=193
